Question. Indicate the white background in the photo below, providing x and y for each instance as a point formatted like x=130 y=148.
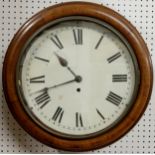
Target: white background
x=13 y=13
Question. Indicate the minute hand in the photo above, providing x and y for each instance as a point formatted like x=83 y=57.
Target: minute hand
x=77 y=79
x=61 y=84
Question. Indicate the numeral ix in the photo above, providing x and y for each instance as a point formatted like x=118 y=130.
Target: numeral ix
x=38 y=79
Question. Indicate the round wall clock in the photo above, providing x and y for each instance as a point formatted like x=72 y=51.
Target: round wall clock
x=77 y=76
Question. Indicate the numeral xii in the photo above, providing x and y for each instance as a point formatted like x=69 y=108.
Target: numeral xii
x=78 y=36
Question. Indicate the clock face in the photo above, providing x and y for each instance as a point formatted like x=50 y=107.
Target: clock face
x=76 y=77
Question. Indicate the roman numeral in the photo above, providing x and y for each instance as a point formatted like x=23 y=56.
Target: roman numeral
x=43 y=99
x=58 y=114
x=57 y=41
x=114 y=57
x=100 y=114
x=99 y=42
x=114 y=98
x=38 y=79
x=78 y=118
x=78 y=36
x=119 y=78
x=42 y=59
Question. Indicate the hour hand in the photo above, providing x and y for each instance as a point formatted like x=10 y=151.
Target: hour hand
x=63 y=62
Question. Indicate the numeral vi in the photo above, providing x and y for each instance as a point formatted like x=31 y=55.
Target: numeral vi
x=79 y=121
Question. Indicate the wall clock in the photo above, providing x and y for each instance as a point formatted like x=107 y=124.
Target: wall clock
x=77 y=76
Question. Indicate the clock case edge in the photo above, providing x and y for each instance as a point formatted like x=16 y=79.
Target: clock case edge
x=78 y=9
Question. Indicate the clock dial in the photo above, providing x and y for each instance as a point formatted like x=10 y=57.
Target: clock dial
x=77 y=78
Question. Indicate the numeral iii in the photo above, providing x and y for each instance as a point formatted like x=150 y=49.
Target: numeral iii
x=119 y=78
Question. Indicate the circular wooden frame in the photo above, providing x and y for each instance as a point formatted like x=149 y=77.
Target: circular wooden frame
x=77 y=9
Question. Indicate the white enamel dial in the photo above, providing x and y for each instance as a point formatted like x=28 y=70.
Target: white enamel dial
x=77 y=78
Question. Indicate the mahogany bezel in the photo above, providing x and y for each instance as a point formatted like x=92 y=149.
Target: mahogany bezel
x=77 y=9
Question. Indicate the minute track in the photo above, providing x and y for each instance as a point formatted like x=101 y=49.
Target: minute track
x=72 y=108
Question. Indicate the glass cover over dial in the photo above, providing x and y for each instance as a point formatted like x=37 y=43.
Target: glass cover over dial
x=77 y=77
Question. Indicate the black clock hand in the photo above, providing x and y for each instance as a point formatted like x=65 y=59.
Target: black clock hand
x=64 y=83
x=63 y=62
x=77 y=79
x=71 y=71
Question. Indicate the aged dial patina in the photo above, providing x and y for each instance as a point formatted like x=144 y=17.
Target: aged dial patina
x=78 y=77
